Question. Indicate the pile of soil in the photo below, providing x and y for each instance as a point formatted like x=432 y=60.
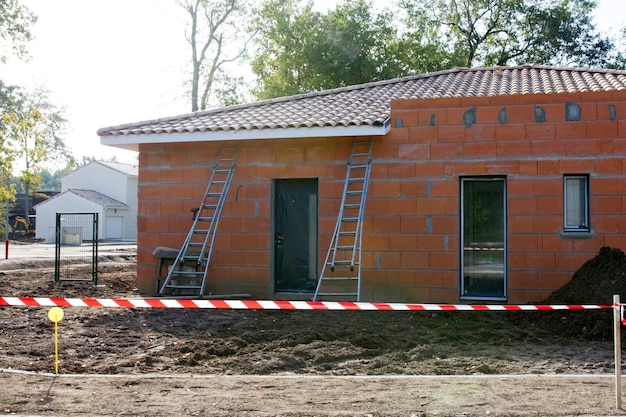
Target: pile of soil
x=595 y=282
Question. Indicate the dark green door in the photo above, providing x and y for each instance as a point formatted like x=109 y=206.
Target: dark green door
x=295 y=235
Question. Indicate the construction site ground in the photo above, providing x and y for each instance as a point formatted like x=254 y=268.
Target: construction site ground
x=173 y=362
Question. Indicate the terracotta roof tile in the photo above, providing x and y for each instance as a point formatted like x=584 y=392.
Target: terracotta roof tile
x=370 y=104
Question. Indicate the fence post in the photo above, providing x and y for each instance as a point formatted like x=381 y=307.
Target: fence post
x=617 y=342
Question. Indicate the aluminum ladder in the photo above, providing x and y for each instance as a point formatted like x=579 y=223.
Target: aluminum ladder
x=341 y=273
x=188 y=273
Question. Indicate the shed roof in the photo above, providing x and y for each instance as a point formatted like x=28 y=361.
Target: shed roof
x=89 y=195
x=98 y=198
x=126 y=169
x=357 y=110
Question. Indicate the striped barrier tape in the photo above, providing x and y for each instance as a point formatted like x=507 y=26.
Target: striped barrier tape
x=474 y=248
x=278 y=305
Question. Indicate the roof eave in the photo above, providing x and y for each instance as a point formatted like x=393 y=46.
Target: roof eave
x=132 y=142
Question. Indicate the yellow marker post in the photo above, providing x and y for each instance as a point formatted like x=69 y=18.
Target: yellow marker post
x=55 y=314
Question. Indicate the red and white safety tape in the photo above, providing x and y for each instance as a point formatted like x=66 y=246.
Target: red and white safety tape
x=474 y=248
x=278 y=305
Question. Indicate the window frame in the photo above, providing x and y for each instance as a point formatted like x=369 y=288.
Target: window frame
x=582 y=200
x=464 y=295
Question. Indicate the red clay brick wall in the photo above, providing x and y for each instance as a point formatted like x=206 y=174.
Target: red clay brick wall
x=173 y=178
x=411 y=226
x=533 y=156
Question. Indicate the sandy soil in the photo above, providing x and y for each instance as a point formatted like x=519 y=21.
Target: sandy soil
x=143 y=362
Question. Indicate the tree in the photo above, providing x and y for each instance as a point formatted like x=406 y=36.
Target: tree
x=214 y=30
x=11 y=98
x=11 y=101
x=15 y=22
x=50 y=181
x=30 y=138
x=301 y=50
x=287 y=36
x=618 y=60
x=7 y=159
x=505 y=32
x=357 y=45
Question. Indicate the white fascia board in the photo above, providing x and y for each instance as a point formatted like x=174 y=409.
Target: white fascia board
x=132 y=142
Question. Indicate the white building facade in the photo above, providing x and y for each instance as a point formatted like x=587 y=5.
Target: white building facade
x=106 y=188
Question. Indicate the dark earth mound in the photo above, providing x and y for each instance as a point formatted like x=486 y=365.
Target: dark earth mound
x=595 y=282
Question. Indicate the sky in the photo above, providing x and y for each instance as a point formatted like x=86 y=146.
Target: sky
x=117 y=61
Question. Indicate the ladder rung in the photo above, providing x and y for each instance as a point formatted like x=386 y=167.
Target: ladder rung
x=187 y=273
x=184 y=287
x=342 y=262
x=340 y=278
x=196 y=244
x=338 y=294
x=349 y=219
x=193 y=256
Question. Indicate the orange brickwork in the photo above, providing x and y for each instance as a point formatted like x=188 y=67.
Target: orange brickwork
x=411 y=232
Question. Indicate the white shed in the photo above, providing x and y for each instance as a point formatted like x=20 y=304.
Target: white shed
x=106 y=188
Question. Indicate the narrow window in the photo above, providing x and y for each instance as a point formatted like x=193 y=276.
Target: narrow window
x=576 y=203
x=483 y=219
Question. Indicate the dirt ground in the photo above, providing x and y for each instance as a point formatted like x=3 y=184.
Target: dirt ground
x=170 y=362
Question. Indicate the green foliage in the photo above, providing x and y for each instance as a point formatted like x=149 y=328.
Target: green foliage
x=7 y=159
x=11 y=98
x=422 y=46
x=30 y=138
x=231 y=90
x=15 y=23
x=357 y=45
x=507 y=32
x=619 y=56
x=286 y=38
x=300 y=50
x=49 y=181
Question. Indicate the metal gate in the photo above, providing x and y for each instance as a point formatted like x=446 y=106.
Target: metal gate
x=76 y=247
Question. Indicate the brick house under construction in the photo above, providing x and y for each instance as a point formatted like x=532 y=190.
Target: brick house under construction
x=491 y=184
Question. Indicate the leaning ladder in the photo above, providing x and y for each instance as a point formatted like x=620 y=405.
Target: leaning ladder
x=188 y=273
x=341 y=273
